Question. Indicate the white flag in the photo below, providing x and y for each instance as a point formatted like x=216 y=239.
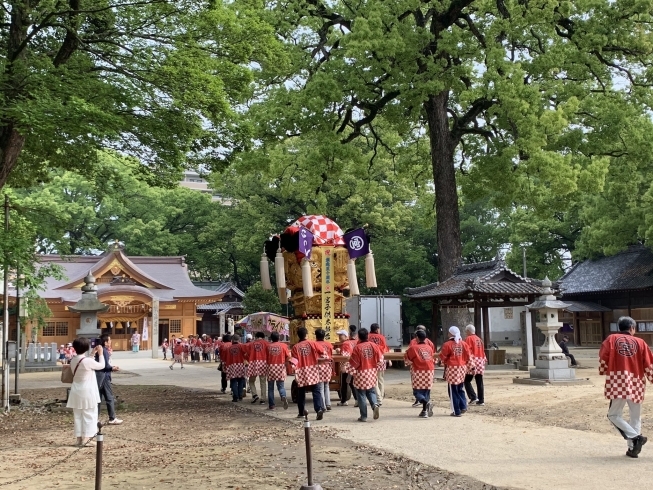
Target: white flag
x=145 y=332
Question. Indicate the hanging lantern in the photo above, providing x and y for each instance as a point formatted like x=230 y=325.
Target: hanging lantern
x=283 y=296
x=280 y=270
x=307 y=278
x=370 y=272
x=351 y=277
x=265 y=272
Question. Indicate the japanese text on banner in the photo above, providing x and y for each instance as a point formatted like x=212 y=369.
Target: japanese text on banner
x=328 y=293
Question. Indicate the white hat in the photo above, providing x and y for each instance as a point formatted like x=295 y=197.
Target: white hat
x=342 y=332
x=249 y=336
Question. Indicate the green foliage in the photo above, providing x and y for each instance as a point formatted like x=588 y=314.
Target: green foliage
x=530 y=100
x=258 y=299
x=156 y=79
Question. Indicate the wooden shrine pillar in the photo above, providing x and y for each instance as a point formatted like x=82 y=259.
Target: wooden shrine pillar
x=477 y=318
x=486 y=327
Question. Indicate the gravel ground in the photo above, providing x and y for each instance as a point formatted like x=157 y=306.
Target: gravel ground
x=184 y=438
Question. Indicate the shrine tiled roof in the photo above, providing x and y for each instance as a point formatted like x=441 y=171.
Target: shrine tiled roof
x=491 y=278
x=631 y=269
x=163 y=278
x=220 y=306
x=585 y=306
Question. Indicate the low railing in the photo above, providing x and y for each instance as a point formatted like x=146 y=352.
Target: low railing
x=42 y=354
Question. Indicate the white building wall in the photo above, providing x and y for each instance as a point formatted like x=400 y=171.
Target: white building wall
x=505 y=324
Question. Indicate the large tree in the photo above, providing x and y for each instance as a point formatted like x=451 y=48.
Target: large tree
x=492 y=83
x=156 y=79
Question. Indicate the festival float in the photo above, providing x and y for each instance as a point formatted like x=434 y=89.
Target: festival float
x=315 y=265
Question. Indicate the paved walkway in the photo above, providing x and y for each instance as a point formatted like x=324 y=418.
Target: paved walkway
x=495 y=451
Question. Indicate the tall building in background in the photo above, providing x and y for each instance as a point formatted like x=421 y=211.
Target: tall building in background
x=193 y=180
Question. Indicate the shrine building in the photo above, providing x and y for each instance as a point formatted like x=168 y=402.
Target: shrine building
x=140 y=291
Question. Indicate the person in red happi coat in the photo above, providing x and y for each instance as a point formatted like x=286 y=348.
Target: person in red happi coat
x=236 y=369
x=477 y=350
x=366 y=360
x=326 y=368
x=456 y=358
x=305 y=356
x=278 y=355
x=626 y=361
x=421 y=359
x=257 y=365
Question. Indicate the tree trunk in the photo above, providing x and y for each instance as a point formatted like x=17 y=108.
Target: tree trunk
x=11 y=144
x=444 y=178
x=11 y=141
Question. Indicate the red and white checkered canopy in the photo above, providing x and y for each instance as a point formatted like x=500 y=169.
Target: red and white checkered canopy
x=325 y=231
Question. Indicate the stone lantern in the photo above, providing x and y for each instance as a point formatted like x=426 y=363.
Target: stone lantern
x=88 y=307
x=551 y=365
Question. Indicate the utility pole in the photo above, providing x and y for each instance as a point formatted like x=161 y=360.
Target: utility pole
x=524 y=259
x=5 y=321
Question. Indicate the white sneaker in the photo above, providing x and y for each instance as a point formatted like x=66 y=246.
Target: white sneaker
x=115 y=422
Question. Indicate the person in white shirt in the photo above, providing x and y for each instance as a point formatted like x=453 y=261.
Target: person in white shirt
x=84 y=394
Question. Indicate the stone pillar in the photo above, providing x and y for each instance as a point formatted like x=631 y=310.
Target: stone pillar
x=223 y=323
x=155 y=329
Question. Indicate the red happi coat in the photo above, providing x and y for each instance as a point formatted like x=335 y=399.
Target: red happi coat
x=326 y=368
x=307 y=369
x=626 y=361
x=257 y=358
x=346 y=349
x=380 y=342
x=477 y=350
x=365 y=360
x=420 y=357
x=235 y=360
x=277 y=356
x=456 y=359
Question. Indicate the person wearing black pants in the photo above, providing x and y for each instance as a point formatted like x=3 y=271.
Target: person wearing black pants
x=346 y=388
x=103 y=377
x=477 y=350
x=346 y=381
x=471 y=394
x=565 y=350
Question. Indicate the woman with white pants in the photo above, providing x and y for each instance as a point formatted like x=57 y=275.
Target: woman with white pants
x=84 y=393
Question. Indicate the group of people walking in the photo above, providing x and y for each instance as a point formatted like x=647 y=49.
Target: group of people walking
x=361 y=374
x=625 y=360
x=191 y=348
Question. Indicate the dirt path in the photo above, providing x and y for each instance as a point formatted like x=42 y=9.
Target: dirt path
x=182 y=438
x=572 y=407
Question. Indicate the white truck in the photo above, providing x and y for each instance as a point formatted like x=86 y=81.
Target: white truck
x=384 y=310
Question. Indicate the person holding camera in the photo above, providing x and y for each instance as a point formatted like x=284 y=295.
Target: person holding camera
x=84 y=393
x=104 y=380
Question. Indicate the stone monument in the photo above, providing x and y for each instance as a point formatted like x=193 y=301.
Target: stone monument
x=551 y=365
x=88 y=307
